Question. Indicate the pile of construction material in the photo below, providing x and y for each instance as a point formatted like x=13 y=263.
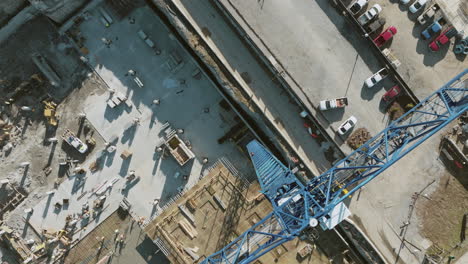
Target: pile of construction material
x=49 y=246
x=454 y=146
x=13 y=241
x=5 y=129
x=359 y=137
x=9 y=135
x=10 y=197
x=13 y=90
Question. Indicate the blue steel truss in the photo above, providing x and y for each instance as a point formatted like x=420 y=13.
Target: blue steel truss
x=295 y=204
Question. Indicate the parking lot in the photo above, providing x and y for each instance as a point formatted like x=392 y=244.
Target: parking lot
x=321 y=51
x=188 y=103
x=424 y=71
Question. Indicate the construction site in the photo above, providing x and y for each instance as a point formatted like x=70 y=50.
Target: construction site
x=220 y=131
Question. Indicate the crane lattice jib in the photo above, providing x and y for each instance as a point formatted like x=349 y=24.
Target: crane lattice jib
x=296 y=205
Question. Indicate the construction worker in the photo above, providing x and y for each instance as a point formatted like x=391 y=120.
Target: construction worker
x=107 y=42
x=156 y=201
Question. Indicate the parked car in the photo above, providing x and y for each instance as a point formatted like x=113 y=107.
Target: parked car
x=391 y=94
x=347 y=125
x=375 y=25
x=405 y=2
x=428 y=14
x=385 y=36
x=433 y=28
x=442 y=39
x=357 y=6
x=416 y=6
x=377 y=77
x=370 y=14
x=334 y=103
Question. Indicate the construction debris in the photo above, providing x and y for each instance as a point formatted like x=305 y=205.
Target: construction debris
x=188 y=229
x=13 y=241
x=358 y=137
x=10 y=197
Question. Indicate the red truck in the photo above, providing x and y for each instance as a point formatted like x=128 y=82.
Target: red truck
x=442 y=39
x=385 y=36
x=391 y=94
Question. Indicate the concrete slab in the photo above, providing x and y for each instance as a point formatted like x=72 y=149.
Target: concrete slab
x=192 y=106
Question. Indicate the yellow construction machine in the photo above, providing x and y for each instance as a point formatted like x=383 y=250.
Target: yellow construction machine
x=49 y=112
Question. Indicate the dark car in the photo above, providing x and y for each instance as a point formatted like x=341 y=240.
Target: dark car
x=357 y=6
x=375 y=25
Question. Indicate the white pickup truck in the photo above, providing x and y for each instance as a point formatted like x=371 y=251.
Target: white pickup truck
x=377 y=77
x=428 y=14
x=334 y=103
x=370 y=14
x=74 y=141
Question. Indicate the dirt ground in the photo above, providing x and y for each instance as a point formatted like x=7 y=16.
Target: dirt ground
x=441 y=214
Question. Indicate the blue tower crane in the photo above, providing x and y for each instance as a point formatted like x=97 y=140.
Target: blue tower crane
x=298 y=206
